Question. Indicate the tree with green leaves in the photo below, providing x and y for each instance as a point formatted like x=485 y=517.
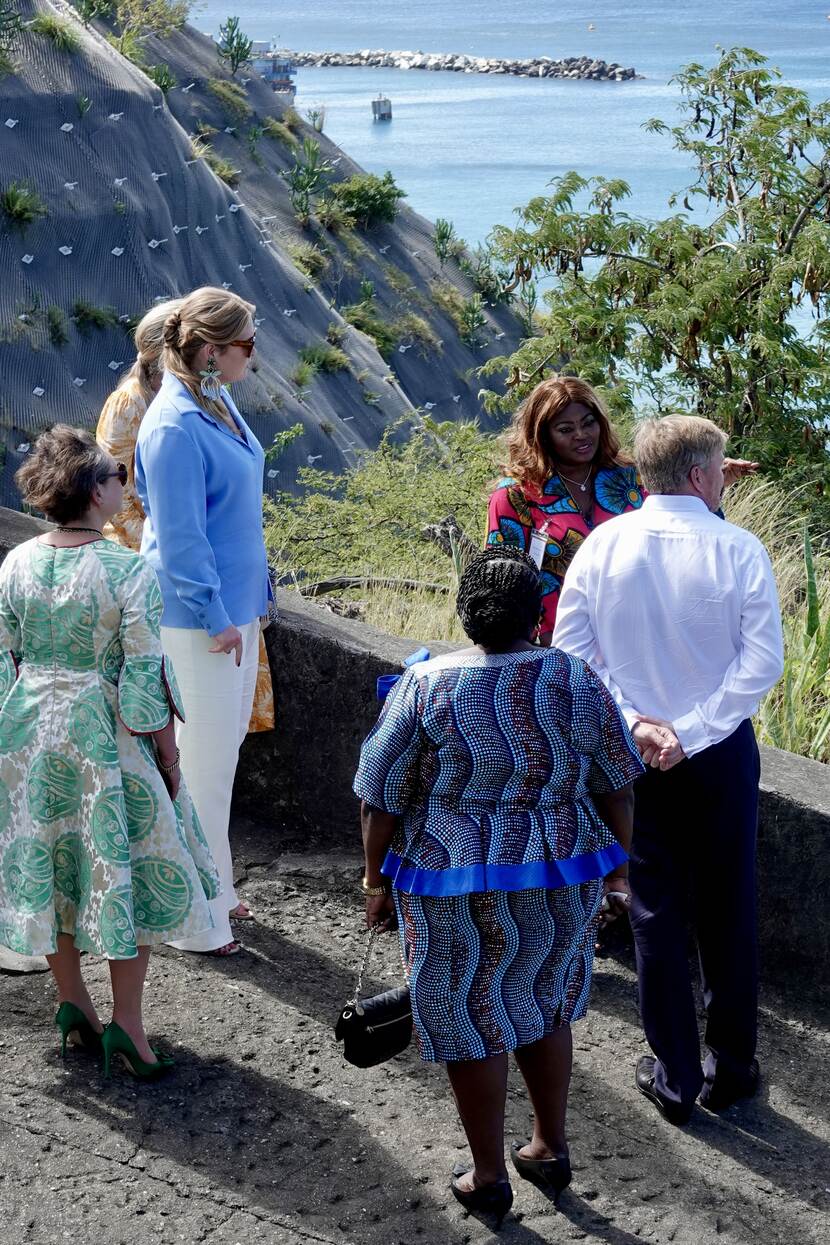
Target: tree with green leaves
x=722 y=312
x=306 y=177
x=445 y=240
x=234 y=48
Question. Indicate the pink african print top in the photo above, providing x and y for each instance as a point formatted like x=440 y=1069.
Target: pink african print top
x=515 y=511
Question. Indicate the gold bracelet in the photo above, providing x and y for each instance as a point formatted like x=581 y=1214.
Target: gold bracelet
x=371 y=892
x=168 y=769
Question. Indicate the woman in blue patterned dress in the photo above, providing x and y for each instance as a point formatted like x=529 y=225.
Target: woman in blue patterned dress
x=497 y=813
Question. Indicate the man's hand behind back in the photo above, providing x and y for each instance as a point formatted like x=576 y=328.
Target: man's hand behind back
x=659 y=746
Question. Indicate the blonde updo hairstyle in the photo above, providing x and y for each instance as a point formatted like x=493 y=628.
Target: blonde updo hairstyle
x=207 y=316
x=527 y=448
x=149 y=343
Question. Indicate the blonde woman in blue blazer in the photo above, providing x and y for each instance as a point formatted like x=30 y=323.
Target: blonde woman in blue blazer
x=198 y=472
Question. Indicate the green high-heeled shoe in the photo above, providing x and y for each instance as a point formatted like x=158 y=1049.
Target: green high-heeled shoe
x=116 y=1042
x=70 y=1019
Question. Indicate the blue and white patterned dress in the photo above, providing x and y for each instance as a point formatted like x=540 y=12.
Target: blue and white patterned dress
x=496 y=865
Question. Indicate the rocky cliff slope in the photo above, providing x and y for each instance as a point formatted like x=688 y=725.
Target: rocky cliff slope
x=133 y=211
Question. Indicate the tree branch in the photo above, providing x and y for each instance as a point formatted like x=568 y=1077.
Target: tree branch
x=801 y=219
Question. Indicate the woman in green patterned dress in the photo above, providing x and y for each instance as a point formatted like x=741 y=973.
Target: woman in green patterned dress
x=100 y=848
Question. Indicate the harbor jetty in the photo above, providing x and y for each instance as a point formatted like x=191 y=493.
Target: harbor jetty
x=584 y=68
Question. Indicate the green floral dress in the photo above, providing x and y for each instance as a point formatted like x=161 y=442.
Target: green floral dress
x=91 y=844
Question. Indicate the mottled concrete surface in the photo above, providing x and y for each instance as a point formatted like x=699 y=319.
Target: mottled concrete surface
x=264 y=1134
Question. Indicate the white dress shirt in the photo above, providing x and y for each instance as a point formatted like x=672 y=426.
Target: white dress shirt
x=677 y=612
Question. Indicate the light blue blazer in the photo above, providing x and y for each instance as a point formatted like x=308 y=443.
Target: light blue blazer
x=201 y=489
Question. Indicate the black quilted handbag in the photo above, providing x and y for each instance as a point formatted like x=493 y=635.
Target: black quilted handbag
x=373 y=1030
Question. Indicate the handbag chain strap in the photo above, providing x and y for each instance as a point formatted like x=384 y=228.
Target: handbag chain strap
x=355 y=1001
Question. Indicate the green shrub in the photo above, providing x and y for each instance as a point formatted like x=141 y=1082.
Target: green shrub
x=446 y=242
x=57 y=30
x=336 y=333
x=83 y=103
x=280 y=132
x=56 y=326
x=292 y=120
x=368 y=198
x=473 y=320
x=88 y=317
x=333 y=216
x=232 y=98
x=367 y=290
x=303 y=375
x=252 y=137
x=399 y=281
x=203 y=129
x=325 y=358
x=88 y=10
x=220 y=166
x=308 y=257
x=416 y=327
x=449 y=300
x=21 y=204
x=163 y=77
x=366 y=320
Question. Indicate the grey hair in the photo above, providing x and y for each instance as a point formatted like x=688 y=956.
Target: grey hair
x=667 y=448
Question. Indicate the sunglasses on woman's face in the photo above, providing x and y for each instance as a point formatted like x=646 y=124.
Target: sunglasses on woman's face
x=247 y=344
x=120 y=471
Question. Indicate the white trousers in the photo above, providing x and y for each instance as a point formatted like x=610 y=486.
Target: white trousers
x=217 y=696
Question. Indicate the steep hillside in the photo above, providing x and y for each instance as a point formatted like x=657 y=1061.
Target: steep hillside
x=132 y=213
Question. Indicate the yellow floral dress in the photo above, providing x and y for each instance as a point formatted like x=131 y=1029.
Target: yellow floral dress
x=91 y=845
x=117 y=433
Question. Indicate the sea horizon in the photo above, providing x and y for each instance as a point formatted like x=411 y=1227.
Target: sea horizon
x=472 y=147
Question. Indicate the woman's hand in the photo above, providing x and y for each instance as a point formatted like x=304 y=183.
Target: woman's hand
x=228 y=641
x=616 y=899
x=380 y=911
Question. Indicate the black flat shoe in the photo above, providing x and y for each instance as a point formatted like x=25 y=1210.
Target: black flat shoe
x=488 y=1199
x=644 y=1080
x=549 y=1175
x=717 y=1097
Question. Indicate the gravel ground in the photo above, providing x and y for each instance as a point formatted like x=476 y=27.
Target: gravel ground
x=264 y=1133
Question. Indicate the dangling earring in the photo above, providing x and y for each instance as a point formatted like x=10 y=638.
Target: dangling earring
x=211 y=385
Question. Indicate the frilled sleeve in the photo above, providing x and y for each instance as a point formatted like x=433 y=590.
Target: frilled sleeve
x=615 y=761
x=509 y=521
x=147 y=689
x=10 y=638
x=388 y=770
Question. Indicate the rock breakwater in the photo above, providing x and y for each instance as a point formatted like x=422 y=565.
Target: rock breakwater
x=585 y=68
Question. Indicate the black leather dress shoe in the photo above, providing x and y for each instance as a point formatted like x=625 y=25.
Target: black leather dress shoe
x=717 y=1096
x=644 y=1080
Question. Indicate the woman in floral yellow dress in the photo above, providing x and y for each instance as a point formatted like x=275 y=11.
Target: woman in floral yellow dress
x=100 y=847
x=117 y=433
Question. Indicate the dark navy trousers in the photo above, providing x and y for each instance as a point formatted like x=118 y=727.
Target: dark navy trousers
x=693 y=861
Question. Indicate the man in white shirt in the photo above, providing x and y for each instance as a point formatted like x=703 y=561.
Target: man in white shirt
x=677 y=611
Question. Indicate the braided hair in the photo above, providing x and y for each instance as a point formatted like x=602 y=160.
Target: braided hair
x=499 y=597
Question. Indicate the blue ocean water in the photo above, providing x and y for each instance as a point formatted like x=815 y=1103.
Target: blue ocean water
x=472 y=148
